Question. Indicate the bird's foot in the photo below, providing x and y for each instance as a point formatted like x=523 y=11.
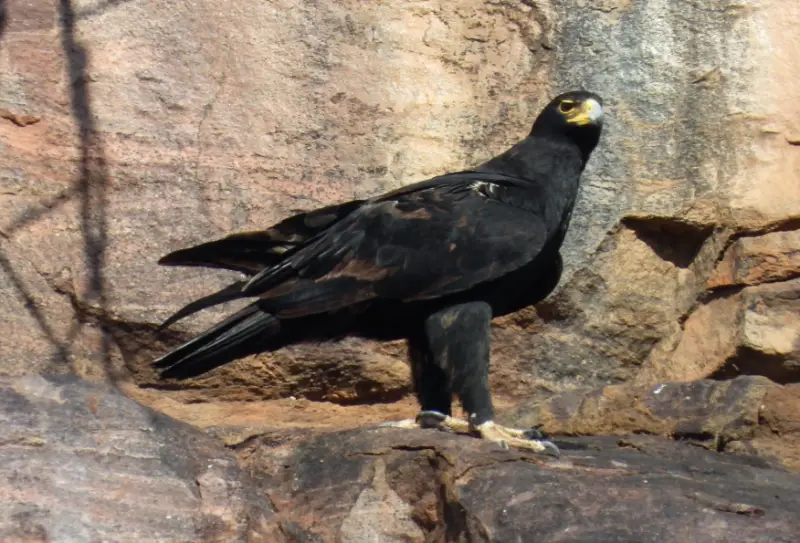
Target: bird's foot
x=404 y=423
x=529 y=440
x=431 y=419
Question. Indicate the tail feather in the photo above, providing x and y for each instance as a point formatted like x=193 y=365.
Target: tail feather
x=250 y=252
x=241 y=334
x=229 y=293
x=247 y=253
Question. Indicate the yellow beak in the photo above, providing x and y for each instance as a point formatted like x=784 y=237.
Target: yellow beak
x=591 y=112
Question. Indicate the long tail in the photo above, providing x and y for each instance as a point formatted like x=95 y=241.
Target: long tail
x=248 y=253
x=246 y=332
x=251 y=252
x=227 y=294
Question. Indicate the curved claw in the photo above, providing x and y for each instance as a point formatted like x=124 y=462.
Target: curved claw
x=404 y=423
x=530 y=440
x=519 y=439
x=431 y=419
x=550 y=448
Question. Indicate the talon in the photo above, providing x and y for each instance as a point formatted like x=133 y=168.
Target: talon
x=405 y=423
x=550 y=448
x=430 y=419
x=511 y=437
x=440 y=421
x=504 y=437
x=534 y=434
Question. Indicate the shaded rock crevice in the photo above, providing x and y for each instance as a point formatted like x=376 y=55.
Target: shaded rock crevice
x=750 y=361
x=672 y=240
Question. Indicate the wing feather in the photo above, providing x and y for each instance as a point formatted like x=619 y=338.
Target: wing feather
x=418 y=245
x=422 y=241
x=251 y=252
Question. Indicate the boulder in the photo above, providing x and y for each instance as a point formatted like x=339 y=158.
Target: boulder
x=81 y=462
x=753 y=330
x=424 y=485
x=745 y=414
x=754 y=260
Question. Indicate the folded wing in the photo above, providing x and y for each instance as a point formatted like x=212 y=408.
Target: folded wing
x=415 y=244
x=418 y=245
x=251 y=252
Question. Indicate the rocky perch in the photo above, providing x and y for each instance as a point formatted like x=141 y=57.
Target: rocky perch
x=82 y=462
x=131 y=129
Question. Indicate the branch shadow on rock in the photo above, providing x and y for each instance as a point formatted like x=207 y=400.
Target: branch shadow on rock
x=93 y=182
x=2 y=18
x=90 y=189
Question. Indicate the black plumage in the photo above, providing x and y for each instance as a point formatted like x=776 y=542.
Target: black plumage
x=432 y=262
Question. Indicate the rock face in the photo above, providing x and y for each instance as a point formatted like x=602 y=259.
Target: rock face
x=130 y=129
x=761 y=259
x=81 y=462
x=745 y=414
x=387 y=485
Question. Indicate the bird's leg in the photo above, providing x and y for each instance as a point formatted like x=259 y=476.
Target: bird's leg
x=432 y=419
x=432 y=385
x=458 y=340
x=452 y=356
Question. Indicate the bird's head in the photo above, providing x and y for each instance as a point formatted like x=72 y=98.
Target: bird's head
x=578 y=115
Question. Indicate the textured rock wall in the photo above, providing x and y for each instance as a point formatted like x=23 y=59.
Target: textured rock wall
x=129 y=129
x=81 y=462
x=700 y=159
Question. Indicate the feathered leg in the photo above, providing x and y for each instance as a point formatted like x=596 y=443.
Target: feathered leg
x=454 y=358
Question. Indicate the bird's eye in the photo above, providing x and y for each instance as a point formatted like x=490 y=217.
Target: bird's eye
x=566 y=106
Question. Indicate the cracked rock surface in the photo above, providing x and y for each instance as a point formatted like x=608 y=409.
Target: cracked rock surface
x=81 y=462
x=427 y=486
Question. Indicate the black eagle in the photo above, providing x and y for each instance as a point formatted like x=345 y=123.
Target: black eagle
x=432 y=262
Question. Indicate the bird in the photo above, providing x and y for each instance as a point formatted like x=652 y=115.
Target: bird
x=432 y=262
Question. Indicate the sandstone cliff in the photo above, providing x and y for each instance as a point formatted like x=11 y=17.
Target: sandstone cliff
x=132 y=128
